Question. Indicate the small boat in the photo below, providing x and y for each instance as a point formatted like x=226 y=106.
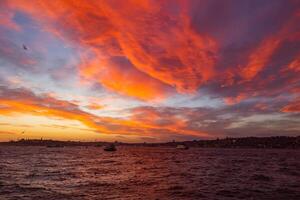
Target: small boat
x=110 y=147
x=55 y=146
x=182 y=146
x=98 y=145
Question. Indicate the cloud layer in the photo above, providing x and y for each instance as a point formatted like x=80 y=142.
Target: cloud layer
x=244 y=53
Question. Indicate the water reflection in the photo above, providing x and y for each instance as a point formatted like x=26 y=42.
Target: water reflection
x=148 y=173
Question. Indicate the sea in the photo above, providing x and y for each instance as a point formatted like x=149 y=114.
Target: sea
x=84 y=173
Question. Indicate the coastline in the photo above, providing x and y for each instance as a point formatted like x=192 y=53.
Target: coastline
x=279 y=142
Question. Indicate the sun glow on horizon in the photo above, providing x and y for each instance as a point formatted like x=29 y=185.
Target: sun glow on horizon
x=148 y=70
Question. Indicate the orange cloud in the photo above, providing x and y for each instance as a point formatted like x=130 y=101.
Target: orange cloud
x=292 y=107
x=126 y=79
x=6 y=21
x=6 y=133
x=94 y=106
x=161 y=47
x=259 y=58
x=21 y=101
x=150 y=50
x=147 y=50
x=234 y=100
x=295 y=65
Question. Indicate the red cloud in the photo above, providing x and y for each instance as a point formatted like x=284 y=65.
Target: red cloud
x=22 y=101
x=292 y=107
x=161 y=47
x=260 y=57
x=124 y=78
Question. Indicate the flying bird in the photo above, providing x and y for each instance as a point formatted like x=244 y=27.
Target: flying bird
x=24 y=47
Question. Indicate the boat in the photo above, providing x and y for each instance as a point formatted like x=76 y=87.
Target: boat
x=110 y=147
x=182 y=146
x=55 y=146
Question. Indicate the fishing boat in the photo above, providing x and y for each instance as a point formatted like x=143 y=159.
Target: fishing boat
x=182 y=146
x=110 y=147
x=55 y=146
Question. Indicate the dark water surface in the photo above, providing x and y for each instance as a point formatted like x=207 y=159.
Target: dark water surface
x=148 y=173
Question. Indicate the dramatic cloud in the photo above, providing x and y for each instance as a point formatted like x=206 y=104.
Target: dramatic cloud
x=292 y=107
x=22 y=101
x=153 y=55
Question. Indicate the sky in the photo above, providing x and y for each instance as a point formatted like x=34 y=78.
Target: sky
x=149 y=71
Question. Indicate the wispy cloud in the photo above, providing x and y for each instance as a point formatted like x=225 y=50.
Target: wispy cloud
x=243 y=53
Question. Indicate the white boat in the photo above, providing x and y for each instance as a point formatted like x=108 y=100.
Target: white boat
x=182 y=146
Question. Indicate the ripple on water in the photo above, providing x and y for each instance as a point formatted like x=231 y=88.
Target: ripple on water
x=148 y=173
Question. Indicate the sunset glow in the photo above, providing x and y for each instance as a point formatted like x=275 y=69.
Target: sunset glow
x=149 y=70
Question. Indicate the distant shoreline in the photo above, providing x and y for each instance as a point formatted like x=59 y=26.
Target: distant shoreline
x=282 y=142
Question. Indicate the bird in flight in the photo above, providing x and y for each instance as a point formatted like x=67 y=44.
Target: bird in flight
x=24 y=47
